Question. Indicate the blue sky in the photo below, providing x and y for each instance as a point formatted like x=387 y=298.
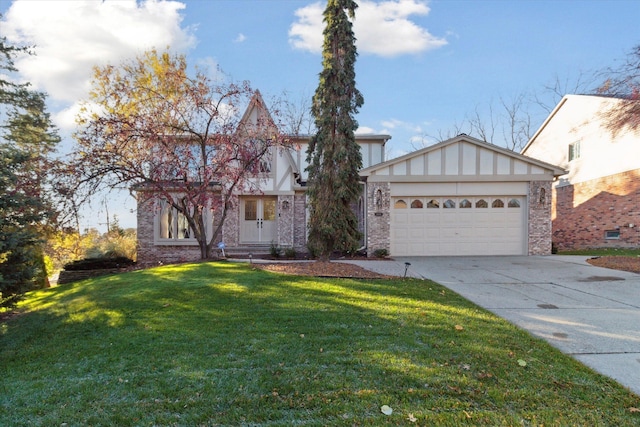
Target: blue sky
x=424 y=67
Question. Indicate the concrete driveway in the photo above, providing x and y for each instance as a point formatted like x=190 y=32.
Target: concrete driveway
x=590 y=313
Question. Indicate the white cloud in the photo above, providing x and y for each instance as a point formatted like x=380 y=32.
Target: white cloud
x=306 y=33
x=381 y=28
x=241 y=37
x=364 y=130
x=71 y=37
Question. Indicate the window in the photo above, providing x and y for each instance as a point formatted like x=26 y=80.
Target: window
x=400 y=204
x=497 y=203
x=514 y=203
x=482 y=204
x=265 y=164
x=172 y=228
x=417 y=204
x=612 y=234
x=269 y=210
x=449 y=204
x=251 y=210
x=465 y=204
x=574 y=151
x=433 y=204
x=173 y=224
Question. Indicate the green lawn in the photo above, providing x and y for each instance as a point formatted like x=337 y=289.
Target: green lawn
x=221 y=344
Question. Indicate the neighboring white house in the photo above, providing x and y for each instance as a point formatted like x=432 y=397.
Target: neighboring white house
x=597 y=203
x=459 y=197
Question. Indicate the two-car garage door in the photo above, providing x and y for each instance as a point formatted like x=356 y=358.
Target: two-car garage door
x=474 y=225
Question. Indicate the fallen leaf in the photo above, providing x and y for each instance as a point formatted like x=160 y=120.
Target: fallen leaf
x=468 y=415
x=301 y=335
x=411 y=418
x=386 y=409
x=632 y=409
x=522 y=362
x=459 y=328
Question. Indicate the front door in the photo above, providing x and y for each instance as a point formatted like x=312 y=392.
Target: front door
x=258 y=220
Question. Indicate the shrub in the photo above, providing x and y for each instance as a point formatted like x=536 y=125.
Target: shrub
x=290 y=253
x=381 y=253
x=99 y=263
x=275 y=251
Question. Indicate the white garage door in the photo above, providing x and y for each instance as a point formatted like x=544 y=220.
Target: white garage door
x=492 y=225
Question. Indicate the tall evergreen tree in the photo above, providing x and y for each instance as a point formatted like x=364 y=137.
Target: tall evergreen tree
x=333 y=155
x=27 y=139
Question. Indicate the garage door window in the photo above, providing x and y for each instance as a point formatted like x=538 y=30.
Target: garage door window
x=433 y=204
x=449 y=204
x=400 y=204
x=514 y=203
x=465 y=204
x=497 y=203
x=482 y=204
x=417 y=204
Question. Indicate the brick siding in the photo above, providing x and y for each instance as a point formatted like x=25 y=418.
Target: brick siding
x=150 y=253
x=539 y=218
x=583 y=212
x=300 y=222
x=378 y=217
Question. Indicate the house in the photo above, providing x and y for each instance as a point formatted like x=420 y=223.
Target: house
x=597 y=203
x=462 y=196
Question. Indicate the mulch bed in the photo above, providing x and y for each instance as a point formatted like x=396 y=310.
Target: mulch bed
x=625 y=263
x=321 y=269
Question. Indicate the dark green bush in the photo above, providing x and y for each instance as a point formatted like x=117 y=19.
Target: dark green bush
x=99 y=263
x=381 y=253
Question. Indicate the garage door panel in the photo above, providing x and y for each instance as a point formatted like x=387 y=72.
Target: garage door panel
x=486 y=226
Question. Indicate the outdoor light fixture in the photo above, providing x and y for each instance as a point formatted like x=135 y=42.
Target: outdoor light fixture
x=285 y=205
x=406 y=267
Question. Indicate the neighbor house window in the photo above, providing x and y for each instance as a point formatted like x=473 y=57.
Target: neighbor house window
x=612 y=234
x=574 y=151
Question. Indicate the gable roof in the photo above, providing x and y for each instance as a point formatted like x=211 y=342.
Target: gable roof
x=462 y=158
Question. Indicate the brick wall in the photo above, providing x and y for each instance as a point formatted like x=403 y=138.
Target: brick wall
x=300 y=222
x=378 y=217
x=539 y=218
x=148 y=252
x=583 y=212
x=286 y=211
x=231 y=227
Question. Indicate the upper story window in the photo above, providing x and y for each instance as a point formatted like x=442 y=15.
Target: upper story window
x=265 y=164
x=574 y=151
